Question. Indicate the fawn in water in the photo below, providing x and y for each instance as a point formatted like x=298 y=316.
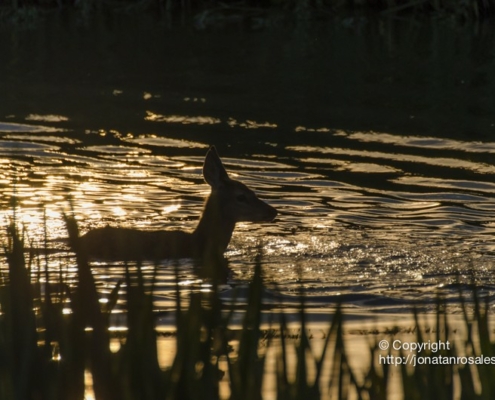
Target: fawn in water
x=229 y=202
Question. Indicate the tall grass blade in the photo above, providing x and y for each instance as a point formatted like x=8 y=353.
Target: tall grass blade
x=87 y=312
x=20 y=319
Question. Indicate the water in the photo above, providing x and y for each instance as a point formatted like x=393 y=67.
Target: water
x=374 y=140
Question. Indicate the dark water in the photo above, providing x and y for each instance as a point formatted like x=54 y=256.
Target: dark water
x=374 y=140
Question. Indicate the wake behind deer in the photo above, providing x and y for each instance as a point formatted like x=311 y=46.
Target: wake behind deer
x=229 y=202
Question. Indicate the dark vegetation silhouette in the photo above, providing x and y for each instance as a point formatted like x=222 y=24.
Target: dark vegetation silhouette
x=45 y=351
x=220 y=11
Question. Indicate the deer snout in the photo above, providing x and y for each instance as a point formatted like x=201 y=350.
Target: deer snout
x=269 y=213
x=273 y=213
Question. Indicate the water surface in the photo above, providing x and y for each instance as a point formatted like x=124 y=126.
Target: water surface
x=374 y=142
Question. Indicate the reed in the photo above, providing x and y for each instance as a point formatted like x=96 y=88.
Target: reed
x=45 y=351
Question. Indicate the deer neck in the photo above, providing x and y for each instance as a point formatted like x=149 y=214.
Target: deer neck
x=214 y=229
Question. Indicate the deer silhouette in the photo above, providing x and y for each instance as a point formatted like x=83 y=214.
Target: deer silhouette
x=229 y=202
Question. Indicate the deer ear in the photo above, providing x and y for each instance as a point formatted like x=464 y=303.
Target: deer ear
x=213 y=169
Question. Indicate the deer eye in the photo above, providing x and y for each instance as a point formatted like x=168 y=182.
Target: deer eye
x=241 y=197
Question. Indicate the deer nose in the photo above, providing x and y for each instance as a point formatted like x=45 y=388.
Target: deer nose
x=272 y=213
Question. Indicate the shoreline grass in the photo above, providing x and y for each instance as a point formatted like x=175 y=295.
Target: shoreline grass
x=46 y=351
x=217 y=13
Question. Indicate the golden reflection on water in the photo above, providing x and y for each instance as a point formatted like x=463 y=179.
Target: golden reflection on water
x=368 y=168
x=171 y=208
x=119 y=211
x=153 y=140
x=205 y=120
x=422 y=142
x=181 y=119
x=304 y=129
x=452 y=184
x=414 y=159
x=46 y=118
x=89 y=393
x=250 y=124
x=133 y=180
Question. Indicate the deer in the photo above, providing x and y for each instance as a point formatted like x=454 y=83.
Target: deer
x=229 y=202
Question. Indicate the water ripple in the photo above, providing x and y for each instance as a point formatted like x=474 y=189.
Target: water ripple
x=376 y=227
